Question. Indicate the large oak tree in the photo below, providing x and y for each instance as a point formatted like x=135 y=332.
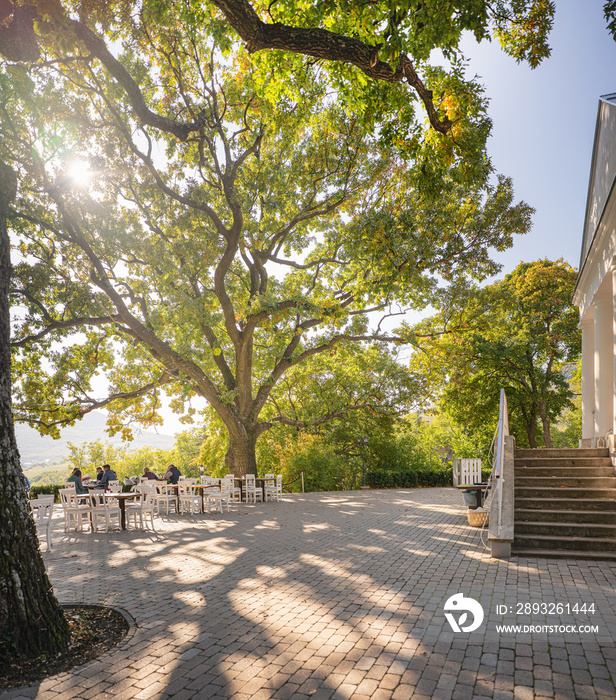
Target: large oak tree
x=208 y=177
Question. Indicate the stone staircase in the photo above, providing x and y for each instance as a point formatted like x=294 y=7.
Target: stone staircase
x=565 y=504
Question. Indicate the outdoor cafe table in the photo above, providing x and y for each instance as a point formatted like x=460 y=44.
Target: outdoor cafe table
x=122 y=498
x=202 y=488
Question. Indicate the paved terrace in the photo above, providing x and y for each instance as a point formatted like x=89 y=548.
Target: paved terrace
x=329 y=595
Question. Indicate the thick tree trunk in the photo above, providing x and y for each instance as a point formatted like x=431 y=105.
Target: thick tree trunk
x=531 y=432
x=545 y=420
x=241 y=456
x=31 y=620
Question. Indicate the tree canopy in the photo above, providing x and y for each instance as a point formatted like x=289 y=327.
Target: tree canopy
x=164 y=174
x=520 y=334
x=196 y=219
x=260 y=245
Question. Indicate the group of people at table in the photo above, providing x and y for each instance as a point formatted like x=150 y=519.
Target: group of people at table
x=105 y=475
x=229 y=486
x=89 y=501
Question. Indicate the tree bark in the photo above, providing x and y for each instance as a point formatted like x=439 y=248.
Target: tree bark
x=531 y=432
x=545 y=420
x=241 y=457
x=31 y=620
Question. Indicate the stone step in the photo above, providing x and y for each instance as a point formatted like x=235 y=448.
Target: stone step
x=599 y=505
x=539 y=542
x=524 y=528
x=565 y=492
x=563 y=452
x=564 y=462
x=563 y=554
x=565 y=516
x=579 y=482
x=562 y=471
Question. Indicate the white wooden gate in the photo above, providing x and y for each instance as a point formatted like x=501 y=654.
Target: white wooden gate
x=466 y=471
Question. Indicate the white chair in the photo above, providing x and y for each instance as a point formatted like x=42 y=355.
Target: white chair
x=44 y=498
x=114 y=488
x=69 y=484
x=269 y=481
x=219 y=496
x=163 y=496
x=42 y=511
x=142 y=509
x=273 y=488
x=235 y=492
x=189 y=500
x=77 y=508
x=105 y=508
x=252 y=490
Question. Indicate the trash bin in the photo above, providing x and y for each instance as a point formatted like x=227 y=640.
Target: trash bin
x=472 y=498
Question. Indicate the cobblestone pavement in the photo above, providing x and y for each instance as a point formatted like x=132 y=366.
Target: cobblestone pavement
x=331 y=595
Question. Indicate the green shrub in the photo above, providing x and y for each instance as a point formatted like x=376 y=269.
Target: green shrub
x=47 y=489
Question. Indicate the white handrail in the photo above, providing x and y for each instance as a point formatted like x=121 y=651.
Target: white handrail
x=502 y=430
x=497 y=479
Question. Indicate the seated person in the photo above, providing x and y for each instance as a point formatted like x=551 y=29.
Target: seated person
x=98 y=475
x=75 y=478
x=108 y=475
x=148 y=474
x=173 y=474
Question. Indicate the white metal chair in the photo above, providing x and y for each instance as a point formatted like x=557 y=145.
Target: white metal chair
x=164 y=497
x=114 y=488
x=105 y=508
x=77 y=508
x=219 y=497
x=142 y=509
x=252 y=490
x=189 y=500
x=273 y=488
x=269 y=481
x=235 y=492
x=42 y=512
x=44 y=498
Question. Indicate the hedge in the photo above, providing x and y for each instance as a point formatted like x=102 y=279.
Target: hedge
x=46 y=489
x=385 y=479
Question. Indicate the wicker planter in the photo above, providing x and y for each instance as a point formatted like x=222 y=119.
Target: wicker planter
x=478 y=517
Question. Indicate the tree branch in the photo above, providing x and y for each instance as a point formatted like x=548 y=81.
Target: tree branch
x=326 y=45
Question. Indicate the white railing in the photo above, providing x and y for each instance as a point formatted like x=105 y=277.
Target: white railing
x=502 y=430
x=501 y=491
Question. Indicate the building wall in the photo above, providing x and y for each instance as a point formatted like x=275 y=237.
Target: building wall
x=595 y=292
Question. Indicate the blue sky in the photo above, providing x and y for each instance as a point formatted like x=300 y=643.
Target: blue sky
x=543 y=125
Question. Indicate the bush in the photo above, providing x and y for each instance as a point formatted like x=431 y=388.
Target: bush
x=47 y=489
x=401 y=479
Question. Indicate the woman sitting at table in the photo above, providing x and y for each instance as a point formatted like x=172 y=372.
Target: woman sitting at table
x=147 y=474
x=75 y=477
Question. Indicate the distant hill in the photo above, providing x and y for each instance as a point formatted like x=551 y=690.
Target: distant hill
x=36 y=449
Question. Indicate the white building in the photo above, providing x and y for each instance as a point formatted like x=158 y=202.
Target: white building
x=595 y=291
